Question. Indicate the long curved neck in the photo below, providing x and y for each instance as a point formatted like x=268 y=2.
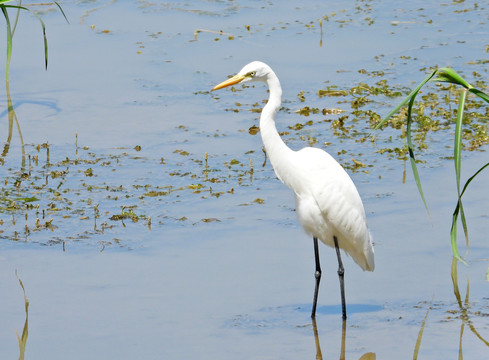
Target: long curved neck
x=277 y=151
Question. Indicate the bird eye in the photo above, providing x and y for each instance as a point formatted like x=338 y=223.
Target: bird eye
x=252 y=73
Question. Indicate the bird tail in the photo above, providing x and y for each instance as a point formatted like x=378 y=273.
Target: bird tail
x=369 y=255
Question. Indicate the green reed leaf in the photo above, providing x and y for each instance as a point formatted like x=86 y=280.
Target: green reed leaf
x=453 y=231
x=451 y=76
x=480 y=94
x=457 y=149
x=412 y=158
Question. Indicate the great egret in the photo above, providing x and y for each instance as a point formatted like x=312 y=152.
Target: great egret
x=328 y=204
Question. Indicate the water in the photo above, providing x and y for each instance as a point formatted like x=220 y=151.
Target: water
x=209 y=261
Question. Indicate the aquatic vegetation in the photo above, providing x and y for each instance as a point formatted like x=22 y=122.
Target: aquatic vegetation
x=11 y=28
x=357 y=109
x=448 y=76
x=182 y=201
x=95 y=194
x=176 y=201
x=419 y=124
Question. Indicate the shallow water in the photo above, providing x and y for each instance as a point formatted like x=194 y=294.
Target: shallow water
x=209 y=261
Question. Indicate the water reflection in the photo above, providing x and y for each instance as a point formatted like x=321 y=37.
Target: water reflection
x=319 y=355
x=25 y=332
x=464 y=313
x=420 y=333
x=464 y=306
x=12 y=118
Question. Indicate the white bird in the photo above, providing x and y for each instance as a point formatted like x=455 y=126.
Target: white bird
x=328 y=205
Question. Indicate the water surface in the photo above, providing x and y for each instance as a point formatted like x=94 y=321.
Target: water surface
x=146 y=248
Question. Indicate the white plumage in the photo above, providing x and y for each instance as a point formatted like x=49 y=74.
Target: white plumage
x=328 y=205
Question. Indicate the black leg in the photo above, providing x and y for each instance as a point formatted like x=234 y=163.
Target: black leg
x=317 y=275
x=341 y=275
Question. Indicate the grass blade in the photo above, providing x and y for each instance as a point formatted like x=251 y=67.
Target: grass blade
x=9 y=40
x=451 y=76
x=412 y=159
x=454 y=274
x=43 y=34
x=62 y=12
x=18 y=7
x=457 y=150
x=410 y=98
x=453 y=230
x=472 y=178
x=480 y=94
x=453 y=234
x=16 y=18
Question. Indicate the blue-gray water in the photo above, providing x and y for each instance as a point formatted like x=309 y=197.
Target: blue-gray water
x=221 y=269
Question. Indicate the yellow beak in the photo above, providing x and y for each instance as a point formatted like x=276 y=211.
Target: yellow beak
x=236 y=79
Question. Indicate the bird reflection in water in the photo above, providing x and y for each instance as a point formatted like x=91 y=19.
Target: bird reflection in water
x=319 y=355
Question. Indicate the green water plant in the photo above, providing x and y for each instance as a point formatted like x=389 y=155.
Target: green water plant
x=10 y=31
x=10 y=27
x=445 y=75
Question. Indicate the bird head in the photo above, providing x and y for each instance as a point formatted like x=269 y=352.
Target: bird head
x=254 y=71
